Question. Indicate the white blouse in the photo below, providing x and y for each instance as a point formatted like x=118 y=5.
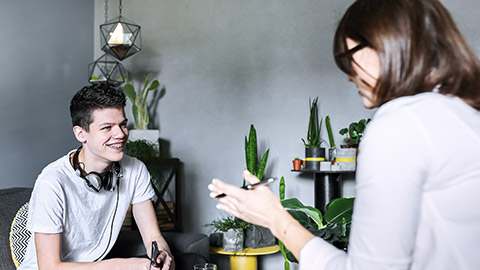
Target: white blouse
x=417 y=190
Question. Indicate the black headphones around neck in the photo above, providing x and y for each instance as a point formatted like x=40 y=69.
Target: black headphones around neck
x=94 y=180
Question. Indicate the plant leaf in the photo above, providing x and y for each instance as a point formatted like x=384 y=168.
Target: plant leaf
x=251 y=150
x=154 y=85
x=294 y=206
x=130 y=92
x=338 y=209
x=263 y=165
x=146 y=117
x=281 y=189
x=329 y=131
x=135 y=114
x=292 y=203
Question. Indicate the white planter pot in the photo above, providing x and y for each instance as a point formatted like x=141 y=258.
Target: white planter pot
x=233 y=240
x=150 y=135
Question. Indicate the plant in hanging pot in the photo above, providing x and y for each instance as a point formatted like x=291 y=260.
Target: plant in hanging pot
x=314 y=154
x=140 y=111
x=233 y=231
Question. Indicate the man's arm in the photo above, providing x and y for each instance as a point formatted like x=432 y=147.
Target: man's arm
x=48 y=257
x=146 y=220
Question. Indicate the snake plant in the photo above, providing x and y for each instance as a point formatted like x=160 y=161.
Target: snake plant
x=251 y=155
x=314 y=138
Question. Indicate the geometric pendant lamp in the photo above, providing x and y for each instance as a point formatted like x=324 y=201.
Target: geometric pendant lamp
x=120 y=38
x=106 y=69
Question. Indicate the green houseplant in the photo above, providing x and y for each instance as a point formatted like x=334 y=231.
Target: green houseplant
x=354 y=132
x=256 y=236
x=139 y=100
x=313 y=152
x=251 y=155
x=334 y=226
x=233 y=232
x=145 y=151
x=331 y=139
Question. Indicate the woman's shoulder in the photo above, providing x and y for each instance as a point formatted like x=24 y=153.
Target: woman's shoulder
x=424 y=105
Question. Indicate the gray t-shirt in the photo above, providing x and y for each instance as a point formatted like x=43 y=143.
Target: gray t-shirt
x=89 y=222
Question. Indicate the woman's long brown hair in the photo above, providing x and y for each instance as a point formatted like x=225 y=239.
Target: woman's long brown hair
x=419 y=47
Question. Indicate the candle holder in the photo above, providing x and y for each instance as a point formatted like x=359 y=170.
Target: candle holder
x=120 y=38
x=106 y=70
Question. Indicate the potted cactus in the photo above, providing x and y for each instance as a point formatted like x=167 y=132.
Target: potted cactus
x=297 y=164
x=331 y=150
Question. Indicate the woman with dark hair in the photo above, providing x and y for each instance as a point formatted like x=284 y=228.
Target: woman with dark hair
x=418 y=174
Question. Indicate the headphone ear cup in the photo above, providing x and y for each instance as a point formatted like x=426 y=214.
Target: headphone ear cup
x=94 y=181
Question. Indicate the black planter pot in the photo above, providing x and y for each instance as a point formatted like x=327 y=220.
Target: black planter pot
x=313 y=156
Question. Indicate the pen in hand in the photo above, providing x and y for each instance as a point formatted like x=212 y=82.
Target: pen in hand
x=250 y=186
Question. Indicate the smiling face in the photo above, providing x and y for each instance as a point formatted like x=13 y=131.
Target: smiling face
x=366 y=65
x=105 y=140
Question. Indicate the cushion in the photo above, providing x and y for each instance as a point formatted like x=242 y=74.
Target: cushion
x=11 y=199
x=19 y=235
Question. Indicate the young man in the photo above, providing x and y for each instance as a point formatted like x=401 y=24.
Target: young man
x=79 y=202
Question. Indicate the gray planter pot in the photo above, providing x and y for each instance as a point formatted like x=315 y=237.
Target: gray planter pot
x=233 y=240
x=347 y=159
x=258 y=236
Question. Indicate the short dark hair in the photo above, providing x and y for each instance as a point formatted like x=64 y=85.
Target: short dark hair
x=419 y=47
x=93 y=97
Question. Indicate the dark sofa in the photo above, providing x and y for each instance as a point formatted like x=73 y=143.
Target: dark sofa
x=187 y=248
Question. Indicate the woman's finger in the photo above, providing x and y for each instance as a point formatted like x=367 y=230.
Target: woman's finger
x=250 y=178
x=219 y=187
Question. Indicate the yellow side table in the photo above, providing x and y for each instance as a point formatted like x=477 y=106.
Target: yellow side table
x=247 y=258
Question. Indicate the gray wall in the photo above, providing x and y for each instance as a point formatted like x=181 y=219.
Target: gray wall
x=225 y=65
x=228 y=64
x=44 y=53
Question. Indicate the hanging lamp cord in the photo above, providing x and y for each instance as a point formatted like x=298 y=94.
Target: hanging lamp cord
x=106 y=11
x=120 y=8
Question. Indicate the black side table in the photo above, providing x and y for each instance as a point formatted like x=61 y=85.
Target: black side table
x=328 y=186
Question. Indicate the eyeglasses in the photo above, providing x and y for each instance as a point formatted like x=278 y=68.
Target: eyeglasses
x=344 y=59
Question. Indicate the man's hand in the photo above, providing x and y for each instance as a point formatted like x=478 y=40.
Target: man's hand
x=163 y=261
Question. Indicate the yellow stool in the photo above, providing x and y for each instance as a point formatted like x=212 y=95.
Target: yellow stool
x=247 y=258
